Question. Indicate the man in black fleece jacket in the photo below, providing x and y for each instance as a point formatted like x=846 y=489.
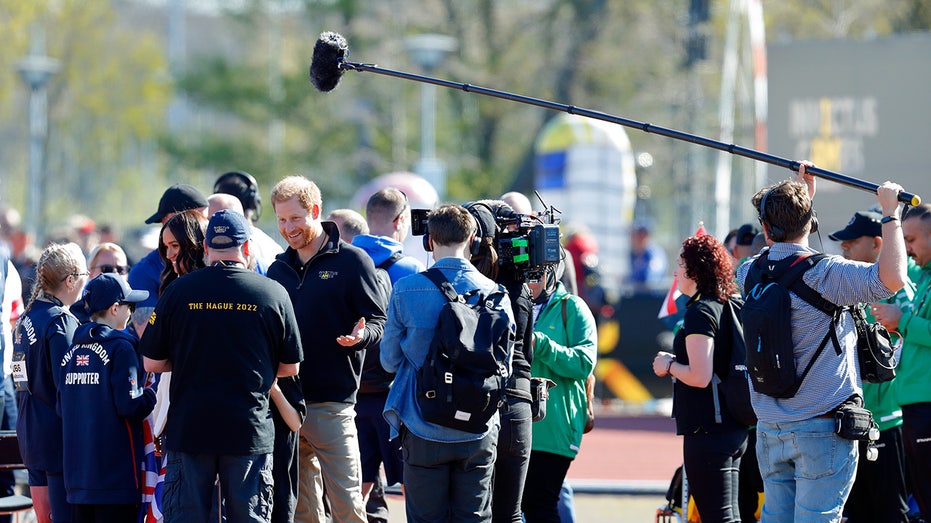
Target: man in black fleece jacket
x=334 y=291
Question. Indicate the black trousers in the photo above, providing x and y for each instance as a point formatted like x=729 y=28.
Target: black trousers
x=712 y=468
x=512 y=461
x=541 y=491
x=916 y=433
x=879 y=492
x=751 y=482
x=105 y=513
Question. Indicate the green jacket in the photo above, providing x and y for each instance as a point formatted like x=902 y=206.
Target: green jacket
x=911 y=382
x=564 y=353
x=880 y=398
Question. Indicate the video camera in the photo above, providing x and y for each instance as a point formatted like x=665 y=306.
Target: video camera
x=527 y=243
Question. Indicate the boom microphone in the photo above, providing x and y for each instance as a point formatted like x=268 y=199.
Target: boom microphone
x=329 y=51
x=330 y=62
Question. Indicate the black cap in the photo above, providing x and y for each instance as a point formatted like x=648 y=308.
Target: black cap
x=178 y=198
x=107 y=289
x=863 y=223
x=746 y=233
x=484 y=220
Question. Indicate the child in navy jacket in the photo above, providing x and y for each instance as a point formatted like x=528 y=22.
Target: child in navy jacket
x=102 y=404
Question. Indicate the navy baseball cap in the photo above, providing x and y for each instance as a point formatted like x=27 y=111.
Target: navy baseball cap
x=107 y=289
x=178 y=198
x=746 y=233
x=863 y=223
x=227 y=229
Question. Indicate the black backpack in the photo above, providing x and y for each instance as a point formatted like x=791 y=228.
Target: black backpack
x=767 y=322
x=463 y=378
x=734 y=387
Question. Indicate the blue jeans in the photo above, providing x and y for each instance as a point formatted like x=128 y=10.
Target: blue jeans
x=566 y=505
x=807 y=470
x=245 y=481
x=448 y=481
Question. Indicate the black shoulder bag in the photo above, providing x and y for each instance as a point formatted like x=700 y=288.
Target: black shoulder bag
x=875 y=352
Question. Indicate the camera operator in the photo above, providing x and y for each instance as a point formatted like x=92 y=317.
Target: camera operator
x=514 y=438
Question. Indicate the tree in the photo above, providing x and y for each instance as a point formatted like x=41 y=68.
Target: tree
x=105 y=106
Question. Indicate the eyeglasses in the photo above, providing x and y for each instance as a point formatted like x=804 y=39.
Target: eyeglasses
x=130 y=304
x=107 y=268
x=406 y=205
x=76 y=275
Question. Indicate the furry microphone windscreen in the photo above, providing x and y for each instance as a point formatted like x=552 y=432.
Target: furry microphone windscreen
x=331 y=48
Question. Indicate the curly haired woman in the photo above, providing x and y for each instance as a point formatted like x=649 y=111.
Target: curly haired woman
x=713 y=442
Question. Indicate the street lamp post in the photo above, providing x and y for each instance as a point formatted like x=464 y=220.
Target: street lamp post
x=428 y=51
x=36 y=70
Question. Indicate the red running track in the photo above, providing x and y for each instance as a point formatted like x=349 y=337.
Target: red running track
x=629 y=448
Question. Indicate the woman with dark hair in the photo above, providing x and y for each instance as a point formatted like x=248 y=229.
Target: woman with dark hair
x=41 y=337
x=181 y=245
x=713 y=442
x=516 y=419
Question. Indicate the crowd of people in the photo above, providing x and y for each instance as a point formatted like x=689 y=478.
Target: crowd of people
x=794 y=455
x=232 y=379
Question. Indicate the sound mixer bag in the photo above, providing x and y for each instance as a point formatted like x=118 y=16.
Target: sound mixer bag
x=875 y=352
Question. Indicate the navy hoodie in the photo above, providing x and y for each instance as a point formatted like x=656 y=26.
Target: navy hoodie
x=43 y=335
x=102 y=403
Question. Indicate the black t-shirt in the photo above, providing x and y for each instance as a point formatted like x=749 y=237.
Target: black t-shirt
x=692 y=407
x=225 y=330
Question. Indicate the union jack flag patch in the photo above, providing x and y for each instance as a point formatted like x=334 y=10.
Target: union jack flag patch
x=82 y=361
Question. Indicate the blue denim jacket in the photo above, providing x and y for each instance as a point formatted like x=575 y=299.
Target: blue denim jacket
x=412 y=316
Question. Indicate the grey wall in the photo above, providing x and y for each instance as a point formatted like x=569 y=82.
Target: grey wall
x=862 y=109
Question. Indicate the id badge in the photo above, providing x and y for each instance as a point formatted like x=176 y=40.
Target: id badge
x=20 y=379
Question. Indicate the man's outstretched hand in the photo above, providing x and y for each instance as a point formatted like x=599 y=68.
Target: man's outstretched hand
x=348 y=340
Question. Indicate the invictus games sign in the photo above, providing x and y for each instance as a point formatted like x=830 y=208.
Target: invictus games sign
x=830 y=131
x=860 y=108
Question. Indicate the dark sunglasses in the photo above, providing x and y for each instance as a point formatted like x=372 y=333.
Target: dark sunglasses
x=105 y=269
x=406 y=205
x=131 y=305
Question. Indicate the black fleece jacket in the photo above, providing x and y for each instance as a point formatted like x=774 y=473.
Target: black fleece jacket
x=330 y=293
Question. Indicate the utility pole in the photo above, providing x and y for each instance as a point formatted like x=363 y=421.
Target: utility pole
x=36 y=70
x=428 y=51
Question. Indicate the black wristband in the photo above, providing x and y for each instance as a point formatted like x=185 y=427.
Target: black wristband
x=887 y=219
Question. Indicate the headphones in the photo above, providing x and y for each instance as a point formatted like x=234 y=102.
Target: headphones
x=475 y=246
x=775 y=232
x=242 y=185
